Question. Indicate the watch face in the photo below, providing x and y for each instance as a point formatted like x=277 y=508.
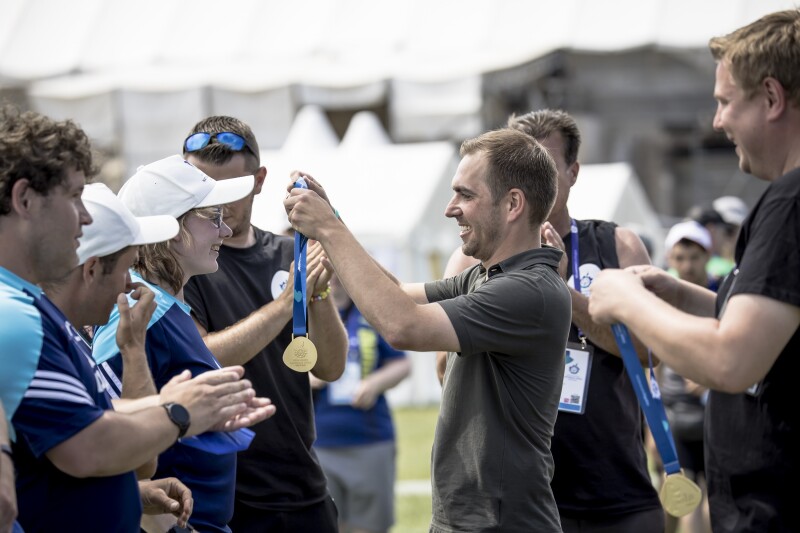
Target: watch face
x=179 y=414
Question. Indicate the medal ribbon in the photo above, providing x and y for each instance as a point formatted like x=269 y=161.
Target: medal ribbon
x=649 y=400
x=300 y=307
x=576 y=272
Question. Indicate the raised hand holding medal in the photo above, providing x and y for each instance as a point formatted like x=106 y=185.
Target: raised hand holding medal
x=301 y=354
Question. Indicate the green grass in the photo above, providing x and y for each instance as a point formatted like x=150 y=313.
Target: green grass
x=415 y=428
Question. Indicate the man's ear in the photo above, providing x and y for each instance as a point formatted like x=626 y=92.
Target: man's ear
x=776 y=97
x=572 y=172
x=91 y=269
x=22 y=196
x=516 y=204
x=260 y=176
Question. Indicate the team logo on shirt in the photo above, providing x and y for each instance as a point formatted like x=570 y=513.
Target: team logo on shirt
x=279 y=282
x=588 y=271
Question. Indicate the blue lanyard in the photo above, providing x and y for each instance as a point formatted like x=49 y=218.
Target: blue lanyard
x=299 y=319
x=650 y=401
x=576 y=272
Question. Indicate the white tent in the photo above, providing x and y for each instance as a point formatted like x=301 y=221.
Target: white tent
x=137 y=75
x=613 y=192
x=392 y=196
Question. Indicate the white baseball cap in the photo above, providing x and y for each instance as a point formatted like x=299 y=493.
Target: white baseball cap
x=691 y=231
x=732 y=209
x=114 y=227
x=173 y=186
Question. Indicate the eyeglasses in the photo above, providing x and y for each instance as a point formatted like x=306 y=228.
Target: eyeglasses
x=216 y=217
x=212 y=214
x=200 y=140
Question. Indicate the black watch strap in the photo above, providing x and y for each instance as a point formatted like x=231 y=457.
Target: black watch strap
x=179 y=416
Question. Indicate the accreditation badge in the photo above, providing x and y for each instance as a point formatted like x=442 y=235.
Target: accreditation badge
x=578 y=365
x=680 y=495
x=300 y=355
x=341 y=391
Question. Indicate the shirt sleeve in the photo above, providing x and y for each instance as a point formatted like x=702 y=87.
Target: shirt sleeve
x=444 y=289
x=56 y=404
x=21 y=340
x=770 y=265
x=508 y=312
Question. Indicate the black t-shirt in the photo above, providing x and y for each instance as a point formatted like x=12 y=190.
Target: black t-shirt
x=280 y=470
x=601 y=465
x=752 y=445
x=491 y=460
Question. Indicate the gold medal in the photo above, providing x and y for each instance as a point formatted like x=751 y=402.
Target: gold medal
x=680 y=495
x=300 y=355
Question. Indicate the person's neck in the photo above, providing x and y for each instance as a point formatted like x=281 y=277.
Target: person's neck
x=515 y=243
x=561 y=222
x=15 y=259
x=66 y=294
x=246 y=239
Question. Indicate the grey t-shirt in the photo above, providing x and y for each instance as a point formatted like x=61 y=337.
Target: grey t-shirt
x=491 y=458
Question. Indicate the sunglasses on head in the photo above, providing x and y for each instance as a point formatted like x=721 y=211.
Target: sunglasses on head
x=234 y=141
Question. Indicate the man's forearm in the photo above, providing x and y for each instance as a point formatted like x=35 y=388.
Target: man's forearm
x=237 y=344
x=330 y=338
x=137 y=380
x=380 y=300
x=600 y=335
x=115 y=443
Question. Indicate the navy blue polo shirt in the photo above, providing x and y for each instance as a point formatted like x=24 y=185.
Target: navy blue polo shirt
x=51 y=390
x=173 y=345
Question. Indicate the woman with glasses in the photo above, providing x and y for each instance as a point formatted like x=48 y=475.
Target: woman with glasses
x=171 y=186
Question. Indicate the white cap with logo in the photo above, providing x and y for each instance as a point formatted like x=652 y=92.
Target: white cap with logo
x=173 y=186
x=114 y=227
x=689 y=230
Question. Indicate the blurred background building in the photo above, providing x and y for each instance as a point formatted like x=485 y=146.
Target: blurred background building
x=373 y=97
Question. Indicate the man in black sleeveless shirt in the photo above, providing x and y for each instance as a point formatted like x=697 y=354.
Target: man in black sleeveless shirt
x=744 y=344
x=244 y=313
x=601 y=479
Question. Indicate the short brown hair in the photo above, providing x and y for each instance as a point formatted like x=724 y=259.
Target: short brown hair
x=768 y=47
x=219 y=154
x=40 y=149
x=544 y=122
x=517 y=161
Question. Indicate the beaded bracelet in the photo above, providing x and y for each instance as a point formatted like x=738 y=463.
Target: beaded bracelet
x=322 y=295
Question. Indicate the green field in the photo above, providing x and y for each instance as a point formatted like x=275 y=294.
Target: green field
x=415 y=427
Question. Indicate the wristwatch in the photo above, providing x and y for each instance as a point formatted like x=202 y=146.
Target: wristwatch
x=179 y=416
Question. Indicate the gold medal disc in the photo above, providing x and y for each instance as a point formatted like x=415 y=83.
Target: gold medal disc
x=680 y=495
x=300 y=355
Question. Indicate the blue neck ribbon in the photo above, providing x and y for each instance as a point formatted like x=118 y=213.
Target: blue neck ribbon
x=299 y=316
x=649 y=399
